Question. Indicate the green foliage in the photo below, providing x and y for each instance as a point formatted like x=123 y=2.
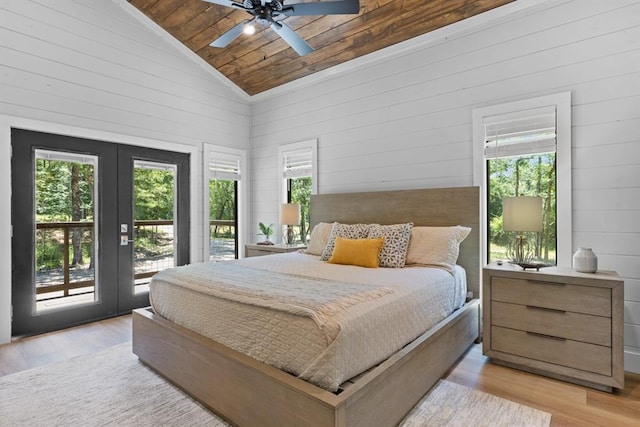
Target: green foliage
x=523 y=176
x=55 y=200
x=154 y=194
x=65 y=191
x=222 y=199
x=222 y=207
x=267 y=230
x=300 y=193
x=49 y=253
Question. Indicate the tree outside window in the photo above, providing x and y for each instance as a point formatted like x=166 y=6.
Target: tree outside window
x=223 y=212
x=299 y=191
x=532 y=175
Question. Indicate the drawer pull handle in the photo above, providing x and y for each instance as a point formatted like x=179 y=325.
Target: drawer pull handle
x=533 y=307
x=542 y=282
x=535 y=334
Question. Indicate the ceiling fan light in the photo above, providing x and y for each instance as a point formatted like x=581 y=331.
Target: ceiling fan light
x=249 y=29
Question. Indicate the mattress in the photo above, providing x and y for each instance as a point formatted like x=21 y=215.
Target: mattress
x=324 y=323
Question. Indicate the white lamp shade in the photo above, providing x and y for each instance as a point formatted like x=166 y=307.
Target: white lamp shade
x=522 y=213
x=290 y=214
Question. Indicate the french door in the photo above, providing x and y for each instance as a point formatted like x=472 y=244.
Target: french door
x=92 y=222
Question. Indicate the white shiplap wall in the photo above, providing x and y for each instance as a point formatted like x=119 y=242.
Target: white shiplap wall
x=404 y=120
x=97 y=69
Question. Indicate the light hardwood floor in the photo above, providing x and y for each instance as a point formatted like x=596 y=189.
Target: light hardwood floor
x=570 y=405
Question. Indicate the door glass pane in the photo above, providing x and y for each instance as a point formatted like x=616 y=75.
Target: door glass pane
x=223 y=239
x=65 y=213
x=154 y=194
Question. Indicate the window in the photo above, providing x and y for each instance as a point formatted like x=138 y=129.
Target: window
x=224 y=193
x=524 y=149
x=298 y=174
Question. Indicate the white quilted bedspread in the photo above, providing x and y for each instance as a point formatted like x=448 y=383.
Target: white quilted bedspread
x=325 y=323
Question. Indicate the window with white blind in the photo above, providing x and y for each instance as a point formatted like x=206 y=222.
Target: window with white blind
x=523 y=148
x=520 y=133
x=224 y=166
x=298 y=174
x=225 y=170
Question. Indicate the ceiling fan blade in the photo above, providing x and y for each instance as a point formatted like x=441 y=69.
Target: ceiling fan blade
x=322 y=8
x=230 y=35
x=294 y=40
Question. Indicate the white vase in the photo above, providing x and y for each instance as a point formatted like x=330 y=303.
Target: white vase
x=585 y=261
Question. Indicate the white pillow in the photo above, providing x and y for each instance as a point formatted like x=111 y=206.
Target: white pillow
x=437 y=246
x=319 y=238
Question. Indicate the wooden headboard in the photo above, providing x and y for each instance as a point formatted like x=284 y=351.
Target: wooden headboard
x=434 y=207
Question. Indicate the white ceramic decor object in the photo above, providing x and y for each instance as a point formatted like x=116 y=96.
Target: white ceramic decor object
x=585 y=261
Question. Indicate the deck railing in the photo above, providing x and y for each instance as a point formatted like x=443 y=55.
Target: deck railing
x=66 y=278
x=47 y=281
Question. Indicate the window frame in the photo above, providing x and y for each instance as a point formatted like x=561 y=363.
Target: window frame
x=209 y=153
x=283 y=151
x=562 y=104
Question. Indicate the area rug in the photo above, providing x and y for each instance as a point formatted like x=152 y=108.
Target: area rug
x=112 y=388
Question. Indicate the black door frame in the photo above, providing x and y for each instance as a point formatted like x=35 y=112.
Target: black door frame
x=127 y=155
x=112 y=288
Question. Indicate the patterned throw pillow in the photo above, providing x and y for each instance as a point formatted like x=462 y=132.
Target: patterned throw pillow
x=437 y=246
x=348 y=231
x=319 y=238
x=396 y=243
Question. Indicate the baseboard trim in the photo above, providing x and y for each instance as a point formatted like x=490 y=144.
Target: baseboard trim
x=632 y=361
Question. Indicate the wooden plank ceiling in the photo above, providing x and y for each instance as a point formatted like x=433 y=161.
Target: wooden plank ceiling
x=264 y=61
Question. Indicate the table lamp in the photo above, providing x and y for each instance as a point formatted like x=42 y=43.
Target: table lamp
x=522 y=214
x=290 y=216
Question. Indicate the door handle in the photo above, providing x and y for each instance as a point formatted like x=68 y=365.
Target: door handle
x=124 y=238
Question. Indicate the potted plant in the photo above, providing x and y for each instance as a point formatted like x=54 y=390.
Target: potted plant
x=266 y=231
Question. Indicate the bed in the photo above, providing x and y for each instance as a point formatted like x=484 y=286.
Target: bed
x=246 y=391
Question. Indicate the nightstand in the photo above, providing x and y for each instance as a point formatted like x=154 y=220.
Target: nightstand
x=251 y=250
x=556 y=322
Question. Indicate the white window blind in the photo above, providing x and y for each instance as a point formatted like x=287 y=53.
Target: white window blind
x=224 y=166
x=520 y=133
x=297 y=163
x=66 y=157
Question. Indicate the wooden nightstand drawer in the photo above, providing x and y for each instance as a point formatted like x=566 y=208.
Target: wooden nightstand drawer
x=558 y=296
x=569 y=353
x=251 y=250
x=257 y=252
x=556 y=322
x=563 y=324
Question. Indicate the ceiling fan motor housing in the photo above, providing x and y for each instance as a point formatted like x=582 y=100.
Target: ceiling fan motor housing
x=268 y=13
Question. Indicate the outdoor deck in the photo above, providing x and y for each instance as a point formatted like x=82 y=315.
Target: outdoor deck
x=66 y=284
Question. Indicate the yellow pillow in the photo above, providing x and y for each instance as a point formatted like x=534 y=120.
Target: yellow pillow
x=360 y=252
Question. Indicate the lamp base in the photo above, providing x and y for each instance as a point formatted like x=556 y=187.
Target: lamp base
x=525 y=265
x=291 y=237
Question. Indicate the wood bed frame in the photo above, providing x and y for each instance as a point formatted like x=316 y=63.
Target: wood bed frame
x=247 y=392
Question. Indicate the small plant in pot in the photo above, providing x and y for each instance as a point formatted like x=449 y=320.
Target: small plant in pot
x=266 y=231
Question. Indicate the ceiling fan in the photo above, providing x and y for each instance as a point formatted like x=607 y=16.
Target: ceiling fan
x=272 y=13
